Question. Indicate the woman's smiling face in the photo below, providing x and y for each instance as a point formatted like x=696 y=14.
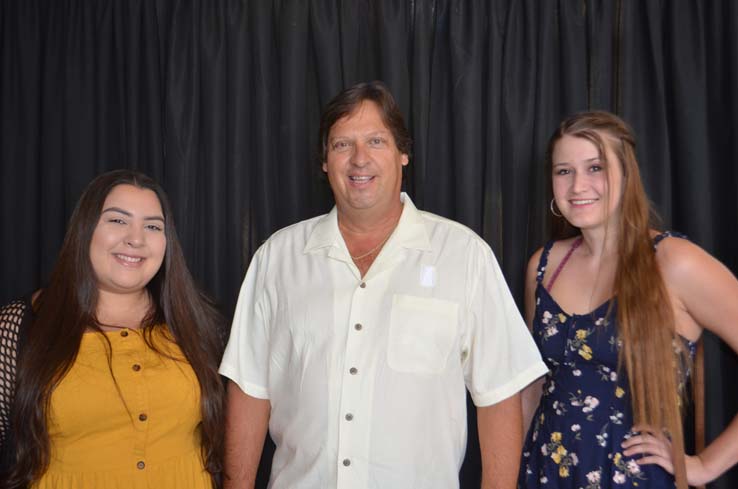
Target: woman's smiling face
x=128 y=244
x=587 y=187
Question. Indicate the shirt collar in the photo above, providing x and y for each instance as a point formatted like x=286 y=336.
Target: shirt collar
x=410 y=232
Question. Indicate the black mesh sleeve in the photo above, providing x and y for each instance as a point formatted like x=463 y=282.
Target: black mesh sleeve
x=11 y=319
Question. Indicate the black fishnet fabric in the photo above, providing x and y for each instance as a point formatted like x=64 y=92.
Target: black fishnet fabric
x=11 y=317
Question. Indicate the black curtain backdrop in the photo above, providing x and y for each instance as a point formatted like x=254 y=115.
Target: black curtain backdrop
x=219 y=101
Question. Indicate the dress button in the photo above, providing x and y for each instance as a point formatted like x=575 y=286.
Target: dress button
x=349 y=416
x=358 y=326
x=136 y=367
x=362 y=285
x=142 y=417
x=124 y=333
x=353 y=370
x=346 y=462
x=140 y=465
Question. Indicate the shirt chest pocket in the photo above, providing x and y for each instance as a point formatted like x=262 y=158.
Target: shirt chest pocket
x=422 y=334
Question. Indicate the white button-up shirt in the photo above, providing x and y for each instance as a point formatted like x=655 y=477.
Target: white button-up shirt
x=366 y=376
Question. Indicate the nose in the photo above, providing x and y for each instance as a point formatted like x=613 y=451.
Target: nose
x=579 y=183
x=360 y=156
x=135 y=237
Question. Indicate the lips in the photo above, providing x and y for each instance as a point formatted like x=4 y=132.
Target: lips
x=128 y=260
x=360 y=180
x=582 y=202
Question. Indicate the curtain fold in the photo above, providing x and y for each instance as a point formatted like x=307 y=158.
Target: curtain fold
x=220 y=102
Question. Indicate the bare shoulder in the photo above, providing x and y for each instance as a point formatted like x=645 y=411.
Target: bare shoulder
x=533 y=262
x=704 y=287
x=681 y=260
x=559 y=248
x=556 y=253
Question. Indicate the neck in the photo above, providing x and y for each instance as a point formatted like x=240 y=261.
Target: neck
x=600 y=242
x=122 y=310
x=366 y=223
x=366 y=233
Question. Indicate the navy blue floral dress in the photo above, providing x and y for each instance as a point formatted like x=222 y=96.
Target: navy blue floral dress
x=584 y=414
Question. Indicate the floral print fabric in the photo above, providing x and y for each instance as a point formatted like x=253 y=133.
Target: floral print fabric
x=584 y=414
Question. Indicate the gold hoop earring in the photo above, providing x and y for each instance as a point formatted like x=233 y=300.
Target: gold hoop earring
x=553 y=211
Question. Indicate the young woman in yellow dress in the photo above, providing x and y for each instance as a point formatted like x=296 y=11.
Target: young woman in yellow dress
x=108 y=377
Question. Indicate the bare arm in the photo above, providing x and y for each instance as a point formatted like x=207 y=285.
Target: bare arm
x=710 y=294
x=707 y=292
x=500 y=442
x=531 y=395
x=247 y=421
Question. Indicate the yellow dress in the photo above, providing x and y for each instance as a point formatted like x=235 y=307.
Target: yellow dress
x=142 y=434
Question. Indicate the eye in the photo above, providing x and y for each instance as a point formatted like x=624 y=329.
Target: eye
x=116 y=220
x=340 y=145
x=562 y=171
x=376 y=141
x=155 y=227
x=596 y=168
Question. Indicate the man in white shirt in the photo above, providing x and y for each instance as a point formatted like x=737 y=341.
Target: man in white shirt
x=357 y=332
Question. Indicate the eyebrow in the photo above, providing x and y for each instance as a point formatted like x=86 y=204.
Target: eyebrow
x=126 y=213
x=382 y=132
x=589 y=160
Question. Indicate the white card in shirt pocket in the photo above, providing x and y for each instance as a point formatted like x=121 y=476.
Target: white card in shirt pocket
x=422 y=333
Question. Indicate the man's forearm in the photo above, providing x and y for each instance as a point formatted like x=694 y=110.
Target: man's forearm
x=247 y=421
x=500 y=442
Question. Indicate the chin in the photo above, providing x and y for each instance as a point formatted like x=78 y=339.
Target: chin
x=128 y=288
x=588 y=223
x=364 y=202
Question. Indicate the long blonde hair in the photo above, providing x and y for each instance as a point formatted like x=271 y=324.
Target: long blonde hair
x=645 y=318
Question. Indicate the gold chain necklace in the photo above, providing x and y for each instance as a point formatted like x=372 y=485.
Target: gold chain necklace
x=373 y=249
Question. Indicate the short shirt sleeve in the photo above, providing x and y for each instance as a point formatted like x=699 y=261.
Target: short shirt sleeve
x=246 y=357
x=501 y=356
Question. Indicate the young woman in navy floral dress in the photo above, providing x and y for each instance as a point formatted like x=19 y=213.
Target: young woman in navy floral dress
x=616 y=309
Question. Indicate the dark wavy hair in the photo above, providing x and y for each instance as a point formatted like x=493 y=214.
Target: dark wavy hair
x=347 y=101
x=67 y=307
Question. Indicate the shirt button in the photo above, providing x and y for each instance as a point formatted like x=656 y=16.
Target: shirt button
x=358 y=326
x=140 y=465
x=124 y=333
x=349 y=416
x=136 y=367
x=353 y=371
x=346 y=462
x=362 y=285
x=142 y=417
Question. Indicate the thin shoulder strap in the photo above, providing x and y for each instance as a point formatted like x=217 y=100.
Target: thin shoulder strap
x=667 y=234
x=543 y=261
x=573 y=247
